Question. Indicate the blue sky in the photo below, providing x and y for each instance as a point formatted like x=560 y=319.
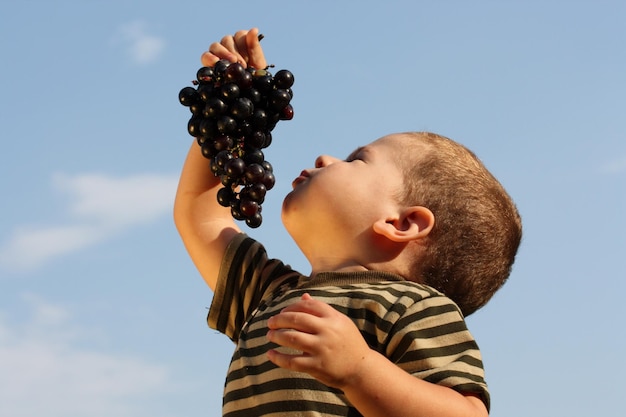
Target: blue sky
x=102 y=312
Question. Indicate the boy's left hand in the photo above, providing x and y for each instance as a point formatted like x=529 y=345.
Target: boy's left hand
x=332 y=347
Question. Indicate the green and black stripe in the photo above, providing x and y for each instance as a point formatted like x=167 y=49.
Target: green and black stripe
x=416 y=327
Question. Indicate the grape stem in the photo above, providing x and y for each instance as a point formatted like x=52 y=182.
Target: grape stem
x=260 y=37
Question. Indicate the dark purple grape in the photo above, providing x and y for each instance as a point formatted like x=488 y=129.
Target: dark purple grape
x=259 y=119
x=225 y=196
x=220 y=67
x=283 y=79
x=272 y=120
x=256 y=192
x=249 y=208
x=254 y=156
x=223 y=142
x=226 y=125
x=287 y=113
x=201 y=140
x=267 y=166
x=245 y=82
x=278 y=99
x=263 y=83
x=227 y=181
x=215 y=169
x=269 y=180
x=256 y=139
x=244 y=193
x=268 y=139
x=208 y=128
x=193 y=126
x=229 y=92
x=254 y=173
x=254 y=221
x=205 y=75
x=188 y=96
x=242 y=108
x=214 y=107
x=208 y=150
x=234 y=72
x=222 y=158
x=235 y=210
x=254 y=95
x=235 y=168
x=206 y=91
x=196 y=108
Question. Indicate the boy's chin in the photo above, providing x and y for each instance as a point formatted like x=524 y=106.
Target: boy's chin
x=288 y=203
x=284 y=211
x=290 y=216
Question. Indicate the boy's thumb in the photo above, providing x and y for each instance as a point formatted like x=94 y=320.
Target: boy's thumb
x=256 y=57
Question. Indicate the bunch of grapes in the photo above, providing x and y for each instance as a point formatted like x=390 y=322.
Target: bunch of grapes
x=233 y=112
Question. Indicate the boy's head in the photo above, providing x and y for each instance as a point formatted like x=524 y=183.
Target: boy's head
x=416 y=204
x=469 y=253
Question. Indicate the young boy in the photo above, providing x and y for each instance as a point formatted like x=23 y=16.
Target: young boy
x=404 y=237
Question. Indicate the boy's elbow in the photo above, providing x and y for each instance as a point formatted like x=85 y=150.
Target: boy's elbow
x=177 y=214
x=181 y=216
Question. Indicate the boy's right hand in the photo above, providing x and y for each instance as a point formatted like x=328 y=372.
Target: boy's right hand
x=243 y=47
x=206 y=227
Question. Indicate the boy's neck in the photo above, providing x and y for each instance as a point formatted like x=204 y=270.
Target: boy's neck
x=333 y=265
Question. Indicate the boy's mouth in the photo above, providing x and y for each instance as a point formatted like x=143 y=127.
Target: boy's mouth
x=303 y=176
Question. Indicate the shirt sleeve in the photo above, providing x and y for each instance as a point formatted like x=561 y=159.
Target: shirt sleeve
x=432 y=342
x=246 y=276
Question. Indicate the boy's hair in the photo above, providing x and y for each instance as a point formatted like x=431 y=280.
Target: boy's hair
x=470 y=251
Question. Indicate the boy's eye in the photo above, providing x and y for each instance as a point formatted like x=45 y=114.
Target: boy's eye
x=353 y=157
x=356 y=155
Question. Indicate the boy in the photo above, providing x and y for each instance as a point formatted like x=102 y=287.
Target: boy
x=388 y=231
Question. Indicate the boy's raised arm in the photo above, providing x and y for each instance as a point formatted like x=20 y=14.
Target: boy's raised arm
x=205 y=227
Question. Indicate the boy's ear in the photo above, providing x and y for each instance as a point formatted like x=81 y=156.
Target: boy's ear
x=413 y=223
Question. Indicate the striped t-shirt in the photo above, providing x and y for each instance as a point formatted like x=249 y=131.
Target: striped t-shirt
x=413 y=325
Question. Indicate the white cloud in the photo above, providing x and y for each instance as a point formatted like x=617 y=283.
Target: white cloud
x=118 y=201
x=142 y=47
x=615 y=166
x=100 y=208
x=43 y=372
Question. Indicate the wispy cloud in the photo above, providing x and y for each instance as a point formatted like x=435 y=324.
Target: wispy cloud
x=615 y=166
x=141 y=46
x=99 y=208
x=44 y=371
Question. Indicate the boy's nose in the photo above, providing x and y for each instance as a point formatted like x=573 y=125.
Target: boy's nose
x=324 y=160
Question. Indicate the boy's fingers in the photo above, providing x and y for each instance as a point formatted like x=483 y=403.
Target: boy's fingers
x=243 y=47
x=225 y=49
x=298 y=363
x=228 y=46
x=237 y=53
x=256 y=57
x=302 y=322
x=311 y=306
x=208 y=59
x=292 y=339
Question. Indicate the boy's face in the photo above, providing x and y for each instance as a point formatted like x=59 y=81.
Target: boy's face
x=343 y=198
